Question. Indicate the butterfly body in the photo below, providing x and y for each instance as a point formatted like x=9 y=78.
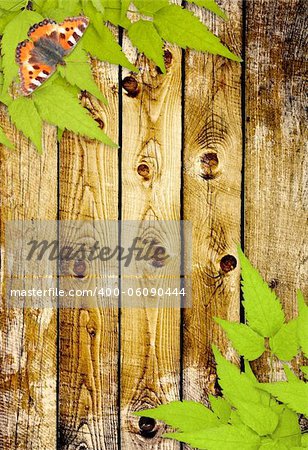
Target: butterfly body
x=47 y=51
x=50 y=43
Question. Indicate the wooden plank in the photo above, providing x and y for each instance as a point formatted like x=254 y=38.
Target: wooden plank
x=27 y=336
x=89 y=335
x=151 y=178
x=275 y=161
x=212 y=187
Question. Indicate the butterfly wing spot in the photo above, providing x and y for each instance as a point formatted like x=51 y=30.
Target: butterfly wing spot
x=43 y=29
x=31 y=75
x=44 y=74
x=71 y=30
x=78 y=32
x=72 y=41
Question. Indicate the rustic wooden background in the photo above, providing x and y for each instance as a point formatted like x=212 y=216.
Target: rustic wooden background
x=214 y=142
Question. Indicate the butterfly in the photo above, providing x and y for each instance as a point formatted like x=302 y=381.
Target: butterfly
x=50 y=42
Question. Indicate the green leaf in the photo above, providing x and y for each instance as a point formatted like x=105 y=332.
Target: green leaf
x=246 y=341
x=288 y=431
x=225 y=437
x=6 y=18
x=149 y=8
x=293 y=394
x=289 y=374
x=185 y=415
x=26 y=118
x=115 y=12
x=13 y=5
x=77 y=71
x=265 y=400
x=4 y=96
x=60 y=107
x=285 y=343
x=14 y=32
x=272 y=445
x=98 y=5
x=38 y=3
x=107 y=49
x=235 y=385
x=241 y=391
x=258 y=417
x=48 y=6
x=144 y=36
x=211 y=5
x=5 y=140
x=235 y=419
x=304 y=369
x=302 y=323
x=59 y=134
x=181 y=27
x=59 y=14
x=263 y=309
x=305 y=440
x=221 y=408
x=248 y=371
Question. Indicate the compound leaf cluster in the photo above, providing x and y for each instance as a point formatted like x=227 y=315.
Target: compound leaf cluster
x=249 y=415
x=149 y=25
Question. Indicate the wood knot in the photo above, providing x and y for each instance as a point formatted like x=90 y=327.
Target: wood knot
x=228 y=263
x=100 y=122
x=92 y=332
x=80 y=268
x=273 y=283
x=159 y=257
x=147 y=427
x=82 y=446
x=144 y=171
x=167 y=58
x=209 y=164
x=130 y=84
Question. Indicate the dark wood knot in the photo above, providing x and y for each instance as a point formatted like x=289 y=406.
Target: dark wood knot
x=273 y=283
x=130 y=84
x=82 y=446
x=167 y=58
x=228 y=263
x=92 y=332
x=159 y=257
x=80 y=268
x=209 y=164
x=100 y=122
x=144 y=171
x=147 y=427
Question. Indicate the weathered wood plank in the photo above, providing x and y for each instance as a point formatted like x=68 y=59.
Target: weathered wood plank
x=276 y=157
x=151 y=178
x=28 y=336
x=212 y=186
x=89 y=335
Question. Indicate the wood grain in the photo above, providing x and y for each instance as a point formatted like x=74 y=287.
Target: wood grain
x=276 y=150
x=151 y=178
x=212 y=190
x=89 y=332
x=95 y=336
x=27 y=336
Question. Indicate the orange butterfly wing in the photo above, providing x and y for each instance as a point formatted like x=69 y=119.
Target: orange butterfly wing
x=43 y=29
x=31 y=75
x=67 y=33
x=71 y=30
